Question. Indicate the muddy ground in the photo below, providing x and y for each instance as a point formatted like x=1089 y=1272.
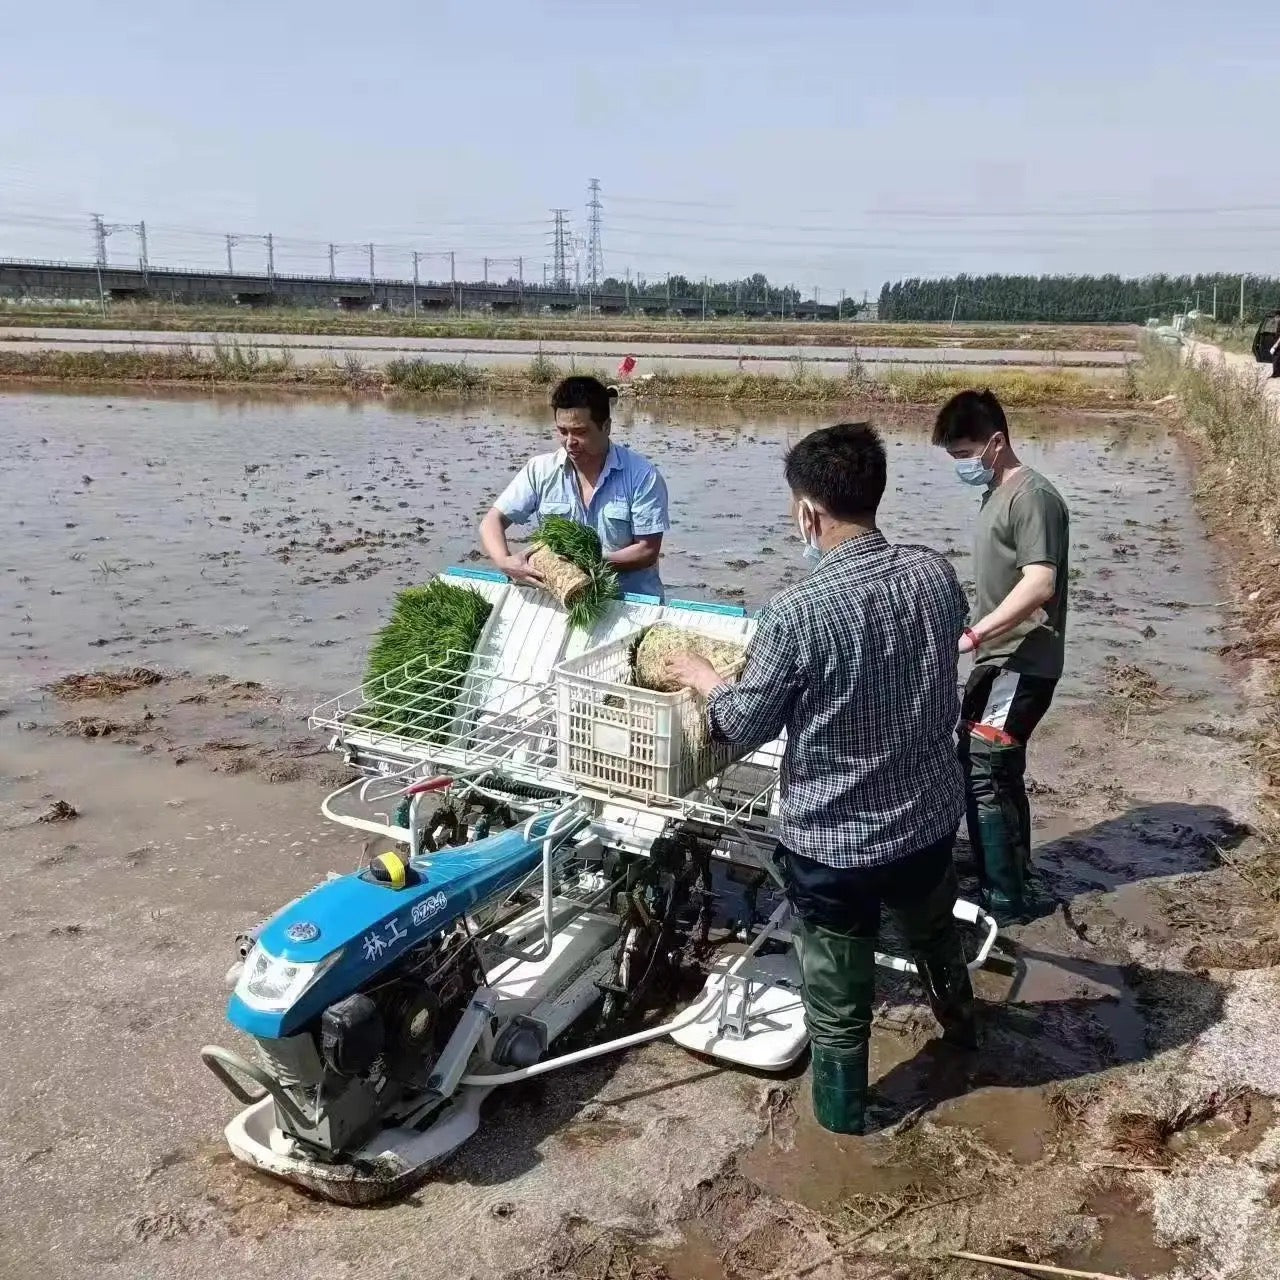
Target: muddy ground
x=1119 y=1117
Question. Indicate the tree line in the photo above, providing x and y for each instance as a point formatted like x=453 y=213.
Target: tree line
x=720 y=293
x=1079 y=299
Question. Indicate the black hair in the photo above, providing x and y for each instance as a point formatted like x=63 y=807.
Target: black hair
x=974 y=416
x=842 y=468
x=581 y=392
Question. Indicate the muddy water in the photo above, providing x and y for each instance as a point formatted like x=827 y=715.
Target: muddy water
x=262 y=539
x=265 y=537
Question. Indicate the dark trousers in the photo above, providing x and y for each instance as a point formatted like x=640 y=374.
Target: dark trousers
x=837 y=912
x=1000 y=710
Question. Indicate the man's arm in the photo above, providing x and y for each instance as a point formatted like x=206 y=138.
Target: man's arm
x=642 y=553
x=1039 y=531
x=1033 y=591
x=755 y=709
x=515 y=505
x=649 y=521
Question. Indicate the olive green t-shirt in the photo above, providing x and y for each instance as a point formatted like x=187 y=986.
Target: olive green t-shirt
x=1023 y=521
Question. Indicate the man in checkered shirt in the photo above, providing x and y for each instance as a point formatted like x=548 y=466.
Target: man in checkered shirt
x=858 y=664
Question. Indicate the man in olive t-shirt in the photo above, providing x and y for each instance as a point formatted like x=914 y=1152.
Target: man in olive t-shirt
x=1018 y=635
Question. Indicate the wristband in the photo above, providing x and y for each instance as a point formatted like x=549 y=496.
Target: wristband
x=972 y=636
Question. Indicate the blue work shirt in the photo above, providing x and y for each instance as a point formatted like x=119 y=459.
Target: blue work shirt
x=630 y=502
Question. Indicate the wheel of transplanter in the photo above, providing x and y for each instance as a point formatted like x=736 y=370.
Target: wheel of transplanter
x=644 y=950
x=615 y=1005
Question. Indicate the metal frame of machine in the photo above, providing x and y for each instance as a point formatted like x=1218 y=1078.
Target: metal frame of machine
x=539 y=922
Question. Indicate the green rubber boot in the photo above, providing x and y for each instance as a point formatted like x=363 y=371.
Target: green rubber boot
x=1003 y=870
x=999 y=825
x=840 y=1089
x=838 y=978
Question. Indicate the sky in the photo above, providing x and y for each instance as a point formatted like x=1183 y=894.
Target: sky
x=830 y=145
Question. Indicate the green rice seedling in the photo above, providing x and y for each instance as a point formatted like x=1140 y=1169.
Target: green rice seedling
x=571 y=559
x=419 y=660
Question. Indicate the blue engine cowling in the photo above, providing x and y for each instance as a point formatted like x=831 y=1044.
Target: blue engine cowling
x=332 y=941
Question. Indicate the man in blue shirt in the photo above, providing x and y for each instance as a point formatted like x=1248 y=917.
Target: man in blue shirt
x=592 y=481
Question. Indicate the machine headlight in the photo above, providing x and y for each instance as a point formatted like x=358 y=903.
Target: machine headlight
x=272 y=985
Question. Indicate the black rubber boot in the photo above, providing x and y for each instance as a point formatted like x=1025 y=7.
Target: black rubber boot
x=999 y=820
x=950 y=993
x=929 y=926
x=840 y=1088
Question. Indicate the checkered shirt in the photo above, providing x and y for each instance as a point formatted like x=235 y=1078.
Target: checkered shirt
x=858 y=664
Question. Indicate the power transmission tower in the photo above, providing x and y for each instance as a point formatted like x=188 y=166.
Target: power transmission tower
x=595 y=250
x=560 y=250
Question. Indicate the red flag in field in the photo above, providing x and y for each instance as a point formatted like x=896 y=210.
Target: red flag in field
x=626 y=365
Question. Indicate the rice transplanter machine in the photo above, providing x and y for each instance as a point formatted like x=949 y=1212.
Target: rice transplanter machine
x=558 y=849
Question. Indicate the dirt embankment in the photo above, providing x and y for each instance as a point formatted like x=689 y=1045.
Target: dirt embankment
x=293 y=320
x=849 y=384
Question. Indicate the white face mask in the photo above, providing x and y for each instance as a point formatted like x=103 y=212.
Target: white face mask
x=974 y=471
x=812 y=552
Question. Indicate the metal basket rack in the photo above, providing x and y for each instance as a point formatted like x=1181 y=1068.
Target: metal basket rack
x=471 y=719
x=456 y=716
x=495 y=710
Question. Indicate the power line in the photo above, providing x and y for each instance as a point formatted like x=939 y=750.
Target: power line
x=101 y=230
x=649 y=238
x=682 y=204
x=1157 y=211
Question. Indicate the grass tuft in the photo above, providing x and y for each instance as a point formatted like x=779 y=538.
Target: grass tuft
x=428 y=376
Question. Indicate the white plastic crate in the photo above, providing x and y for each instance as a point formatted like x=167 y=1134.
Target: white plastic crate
x=619 y=739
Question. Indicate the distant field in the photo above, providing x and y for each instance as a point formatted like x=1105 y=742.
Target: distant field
x=250 y=367
x=293 y=320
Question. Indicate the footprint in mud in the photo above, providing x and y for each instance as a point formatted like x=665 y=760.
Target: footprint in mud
x=168 y=1224
x=589 y=1134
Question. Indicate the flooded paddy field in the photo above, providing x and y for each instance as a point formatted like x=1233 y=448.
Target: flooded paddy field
x=237 y=554
x=266 y=538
